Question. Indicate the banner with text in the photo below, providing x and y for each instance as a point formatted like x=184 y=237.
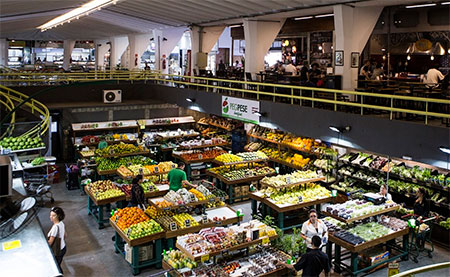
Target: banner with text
x=240 y=109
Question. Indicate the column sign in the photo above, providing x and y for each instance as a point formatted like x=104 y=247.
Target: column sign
x=240 y=109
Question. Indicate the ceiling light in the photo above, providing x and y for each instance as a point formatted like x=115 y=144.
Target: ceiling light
x=432 y=58
x=421 y=6
x=445 y=149
x=408 y=57
x=303 y=18
x=324 y=15
x=448 y=50
x=192 y=100
x=76 y=13
x=235 y=26
x=445 y=3
x=320 y=47
x=339 y=129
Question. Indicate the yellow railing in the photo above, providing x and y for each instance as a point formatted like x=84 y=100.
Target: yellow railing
x=337 y=99
x=33 y=105
x=9 y=105
x=424 y=269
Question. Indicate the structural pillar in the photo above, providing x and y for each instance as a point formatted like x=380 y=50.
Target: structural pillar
x=68 y=48
x=137 y=43
x=353 y=27
x=203 y=40
x=118 y=46
x=259 y=36
x=4 y=44
x=170 y=39
x=101 y=48
x=157 y=37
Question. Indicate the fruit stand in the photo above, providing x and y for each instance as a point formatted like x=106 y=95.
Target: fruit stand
x=96 y=207
x=196 y=156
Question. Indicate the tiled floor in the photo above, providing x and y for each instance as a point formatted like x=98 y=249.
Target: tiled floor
x=90 y=251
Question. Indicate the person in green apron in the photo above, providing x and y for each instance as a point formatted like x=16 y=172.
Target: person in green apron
x=177 y=178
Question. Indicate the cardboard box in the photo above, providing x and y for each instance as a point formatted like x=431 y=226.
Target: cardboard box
x=375 y=256
x=145 y=253
x=237 y=190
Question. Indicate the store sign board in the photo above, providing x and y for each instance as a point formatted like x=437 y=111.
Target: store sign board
x=240 y=109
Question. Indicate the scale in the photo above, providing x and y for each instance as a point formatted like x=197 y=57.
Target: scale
x=374 y=198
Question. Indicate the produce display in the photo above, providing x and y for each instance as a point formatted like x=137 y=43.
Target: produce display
x=227 y=158
x=184 y=220
x=220 y=238
x=370 y=231
x=170 y=134
x=192 y=155
x=324 y=164
x=294 y=195
x=90 y=140
x=125 y=172
x=104 y=189
x=294 y=159
x=146 y=185
x=393 y=223
x=305 y=144
x=22 y=142
x=334 y=225
x=126 y=217
x=115 y=163
x=253 y=146
x=445 y=223
x=38 y=161
x=143 y=229
x=87 y=153
x=220 y=122
x=348 y=237
x=154 y=213
x=357 y=208
x=240 y=172
x=119 y=149
x=287 y=179
x=178 y=260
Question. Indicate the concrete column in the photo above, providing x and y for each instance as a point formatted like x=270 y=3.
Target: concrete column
x=118 y=46
x=138 y=43
x=68 y=48
x=203 y=40
x=157 y=38
x=353 y=27
x=4 y=44
x=101 y=48
x=259 y=36
x=170 y=39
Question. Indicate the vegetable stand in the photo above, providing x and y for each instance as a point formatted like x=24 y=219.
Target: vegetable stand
x=389 y=240
x=155 y=239
x=96 y=208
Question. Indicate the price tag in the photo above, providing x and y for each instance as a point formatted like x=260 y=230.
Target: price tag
x=111 y=151
x=166 y=209
x=10 y=245
x=174 y=166
x=151 y=188
x=129 y=164
x=218 y=222
x=222 y=199
x=96 y=194
x=204 y=258
x=156 y=169
x=129 y=232
x=211 y=200
x=187 y=223
x=141 y=171
x=300 y=199
x=117 y=218
x=204 y=219
x=265 y=240
x=192 y=197
x=200 y=156
x=173 y=226
x=288 y=180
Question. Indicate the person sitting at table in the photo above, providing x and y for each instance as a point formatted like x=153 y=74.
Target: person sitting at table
x=365 y=70
x=378 y=72
x=314 y=74
x=433 y=77
x=290 y=68
x=304 y=72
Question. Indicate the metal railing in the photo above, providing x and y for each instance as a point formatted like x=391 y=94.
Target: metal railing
x=424 y=269
x=337 y=100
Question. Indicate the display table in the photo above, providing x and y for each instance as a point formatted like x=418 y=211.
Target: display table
x=239 y=162
x=144 y=175
x=120 y=238
x=153 y=202
x=283 y=208
x=305 y=181
x=389 y=240
x=350 y=220
x=189 y=162
x=96 y=208
x=33 y=248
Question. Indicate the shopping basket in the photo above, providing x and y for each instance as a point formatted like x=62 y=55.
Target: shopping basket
x=420 y=236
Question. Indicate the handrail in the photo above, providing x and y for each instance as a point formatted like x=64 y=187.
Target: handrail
x=245 y=88
x=423 y=269
x=9 y=104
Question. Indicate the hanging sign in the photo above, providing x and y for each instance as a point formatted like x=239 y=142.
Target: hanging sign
x=240 y=109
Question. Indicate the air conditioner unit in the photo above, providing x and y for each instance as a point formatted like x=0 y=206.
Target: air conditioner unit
x=112 y=96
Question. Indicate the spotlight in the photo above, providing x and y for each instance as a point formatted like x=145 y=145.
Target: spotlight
x=259 y=114
x=192 y=100
x=340 y=129
x=444 y=149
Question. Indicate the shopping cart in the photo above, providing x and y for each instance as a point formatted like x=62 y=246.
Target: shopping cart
x=420 y=235
x=37 y=186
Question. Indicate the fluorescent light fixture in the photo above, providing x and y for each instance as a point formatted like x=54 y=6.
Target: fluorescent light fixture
x=234 y=26
x=445 y=3
x=444 y=149
x=324 y=15
x=421 y=6
x=76 y=13
x=191 y=100
x=303 y=18
x=339 y=129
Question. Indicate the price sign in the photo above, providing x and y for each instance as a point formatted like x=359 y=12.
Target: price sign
x=129 y=232
x=222 y=199
x=141 y=171
x=204 y=219
x=96 y=194
x=192 y=198
x=151 y=187
x=300 y=199
x=200 y=156
x=288 y=180
x=92 y=140
x=111 y=151
x=129 y=164
x=156 y=169
x=218 y=222
x=166 y=209
x=211 y=200
x=9 y=245
x=174 y=166
x=204 y=258
x=117 y=218
x=393 y=269
x=173 y=226
x=265 y=240
x=187 y=222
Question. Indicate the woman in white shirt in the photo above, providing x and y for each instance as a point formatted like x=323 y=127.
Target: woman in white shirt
x=314 y=227
x=58 y=230
x=384 y=193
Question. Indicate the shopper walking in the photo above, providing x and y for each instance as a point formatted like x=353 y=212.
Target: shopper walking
x=177 y=177
x=313 y=262
x=57 y=235
x=314 y=227
x=137 y=193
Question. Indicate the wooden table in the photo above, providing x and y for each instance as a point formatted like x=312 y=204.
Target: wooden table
x=96 y=207
x=120 y=238
x=389 y=240
x=281 y=210
x=350 y=220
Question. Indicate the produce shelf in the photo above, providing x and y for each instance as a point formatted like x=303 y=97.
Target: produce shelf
x=145 y=175
x=108 y=141
x=282 y=208
x=218 y=252
x=26 y=150
x=106 y=172
x=286 y=164
x=190 y=204
x=264 y=139
x=180 y=136
x=125 y=154
x=136 y=242
x=104 y=201
x=193 y=161
x=84 y=155
x=294 y=184
x=360 y=247
x=350 y=220
x=234 y=182
x=240 y=162
x=202 y=146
